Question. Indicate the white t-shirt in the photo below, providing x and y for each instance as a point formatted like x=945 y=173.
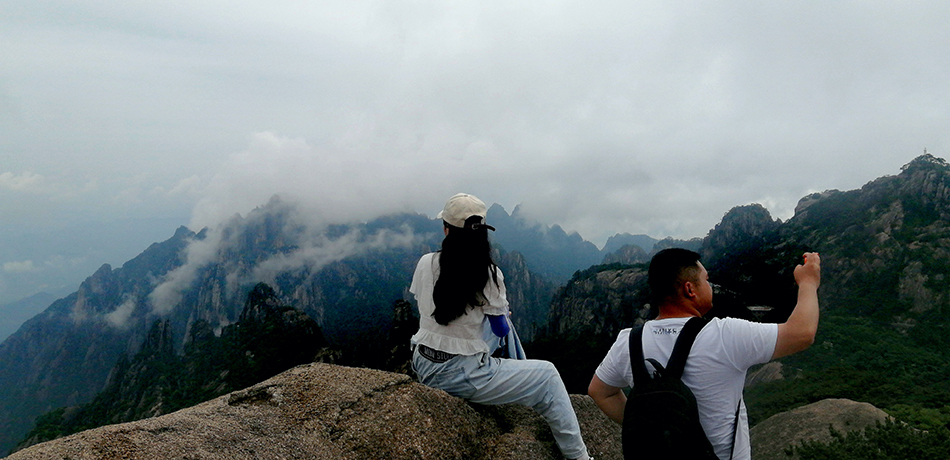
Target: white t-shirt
x=463 y=336
x=715 y=370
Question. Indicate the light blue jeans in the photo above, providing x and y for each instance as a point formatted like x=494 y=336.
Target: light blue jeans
x=485 y=380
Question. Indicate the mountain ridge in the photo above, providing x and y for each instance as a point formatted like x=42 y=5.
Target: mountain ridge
x=866 y=235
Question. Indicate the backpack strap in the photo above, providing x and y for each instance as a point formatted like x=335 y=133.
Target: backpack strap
x=684 y=342
x=636 y=355
x=677 y=359
x=735 y=430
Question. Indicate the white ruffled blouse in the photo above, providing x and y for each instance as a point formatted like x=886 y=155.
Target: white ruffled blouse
x=463 y=336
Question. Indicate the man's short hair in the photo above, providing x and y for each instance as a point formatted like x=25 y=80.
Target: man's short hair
x=668 y=269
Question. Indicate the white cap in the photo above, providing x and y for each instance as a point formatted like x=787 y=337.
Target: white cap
x=462 y=206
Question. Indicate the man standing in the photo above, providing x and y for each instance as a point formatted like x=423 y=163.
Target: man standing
x=722 y=352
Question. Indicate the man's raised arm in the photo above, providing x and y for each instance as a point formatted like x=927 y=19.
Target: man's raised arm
x=798 y=332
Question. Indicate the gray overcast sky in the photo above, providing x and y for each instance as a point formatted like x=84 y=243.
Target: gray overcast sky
x=605 y=117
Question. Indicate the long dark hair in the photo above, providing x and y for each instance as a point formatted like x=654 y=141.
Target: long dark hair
x=465 y=266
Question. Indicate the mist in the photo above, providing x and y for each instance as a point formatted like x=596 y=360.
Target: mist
x=615 y=117
x=305 y=245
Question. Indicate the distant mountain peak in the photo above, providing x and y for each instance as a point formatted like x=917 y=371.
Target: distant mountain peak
x=182 y=232
x=495 y=207
x=813 y=198
x=261 y=302
x=927 y=161
x=751 y=220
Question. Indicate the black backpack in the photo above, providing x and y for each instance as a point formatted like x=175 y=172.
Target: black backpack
x=661 y=419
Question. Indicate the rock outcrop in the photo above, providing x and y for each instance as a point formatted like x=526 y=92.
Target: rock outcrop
x=742 y=228
x=628 y=254
x=770 y=437
x=323 y=411
x=598 y=301
x=768 y=372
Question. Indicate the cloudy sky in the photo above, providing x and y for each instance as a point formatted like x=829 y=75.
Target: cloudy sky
x=120 y=120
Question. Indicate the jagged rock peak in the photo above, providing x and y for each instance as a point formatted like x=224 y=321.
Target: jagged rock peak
x=103 y=271
x=620 y=240
x=752 y=218
x=925 y=161
x=739 y=224
x=496 y=208
x=183 y=232
x=628 y=254
x=921 y=176
x=261 y=301
x=929 y=178
x=97 y=283
x=95 y=294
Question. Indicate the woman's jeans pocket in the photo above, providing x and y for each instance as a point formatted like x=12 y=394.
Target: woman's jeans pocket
x=454 y=382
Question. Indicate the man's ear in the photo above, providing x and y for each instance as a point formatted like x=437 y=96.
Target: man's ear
x=688 y=289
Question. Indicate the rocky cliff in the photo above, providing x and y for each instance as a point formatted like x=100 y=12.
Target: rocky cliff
x=322 y=411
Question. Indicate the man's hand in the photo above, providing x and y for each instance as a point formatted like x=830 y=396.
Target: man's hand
x=810 y=272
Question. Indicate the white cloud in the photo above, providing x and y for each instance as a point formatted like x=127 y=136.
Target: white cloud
x=337 y=185
x=23 y=266
x=23 y=182
x=168 y=293
x=318 y=252
x=119 y=318
x=302 y=230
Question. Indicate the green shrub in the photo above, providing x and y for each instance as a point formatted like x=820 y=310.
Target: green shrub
x=890 y=440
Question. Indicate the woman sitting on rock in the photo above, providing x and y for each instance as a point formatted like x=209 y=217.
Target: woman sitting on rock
x=459 y=288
